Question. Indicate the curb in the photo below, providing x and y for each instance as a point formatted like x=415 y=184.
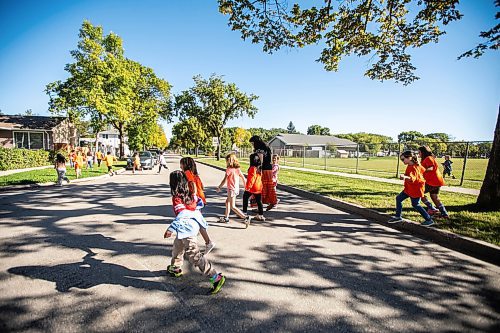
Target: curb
x=469 y=246
x=39 y=185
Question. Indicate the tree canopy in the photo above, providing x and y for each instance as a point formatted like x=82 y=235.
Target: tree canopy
x=318 y=130
x=385 y=31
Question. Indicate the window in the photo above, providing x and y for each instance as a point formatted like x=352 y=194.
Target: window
x=104 y=136
x=29 y=140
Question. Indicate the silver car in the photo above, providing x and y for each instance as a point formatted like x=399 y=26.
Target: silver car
x=147 y=160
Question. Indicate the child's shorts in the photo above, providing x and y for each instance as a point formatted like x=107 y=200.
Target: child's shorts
x=110 y=168
x=232 y=193
x=432 y=189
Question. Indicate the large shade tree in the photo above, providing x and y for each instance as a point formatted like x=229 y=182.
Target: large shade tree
x=385 y=31
x=213 y=103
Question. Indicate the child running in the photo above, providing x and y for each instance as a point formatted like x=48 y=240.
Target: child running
x=60 y=166
x=136 y=163
x=433 y=182
x=109 y=159
x=78 y=164
x=232 y=176
x=447 y=167
x=188 y=166
x=253 y=187
x=186 y=226
x=413 y=189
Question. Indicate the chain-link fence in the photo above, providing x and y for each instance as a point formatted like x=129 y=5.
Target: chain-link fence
x=469 y=159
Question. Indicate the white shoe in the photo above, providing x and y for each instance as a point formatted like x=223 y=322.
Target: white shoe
x=209 y=247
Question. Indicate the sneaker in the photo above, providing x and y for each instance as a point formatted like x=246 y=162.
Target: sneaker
x=224 y=219
x=248 y=219
x=174 y=270
x=209 y=247
x=431 y=211
x=395 y=219
x=427 y=223
x=217 y=283
x=271 y=206
x=259 y=218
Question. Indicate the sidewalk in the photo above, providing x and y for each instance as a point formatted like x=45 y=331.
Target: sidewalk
x=10 y=172
x=462 y=190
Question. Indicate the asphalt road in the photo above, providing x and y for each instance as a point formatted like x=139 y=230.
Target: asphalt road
x=91 y=257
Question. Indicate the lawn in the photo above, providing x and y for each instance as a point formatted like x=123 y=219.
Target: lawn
x=465 y=219
x=50 y=175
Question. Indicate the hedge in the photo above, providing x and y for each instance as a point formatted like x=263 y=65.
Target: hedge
x=13 y=158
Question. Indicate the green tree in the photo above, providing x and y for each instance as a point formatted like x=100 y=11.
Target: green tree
x=318 y=130
x=409 y=136
x=291 y=128
x=190 y=134
x=213 y=102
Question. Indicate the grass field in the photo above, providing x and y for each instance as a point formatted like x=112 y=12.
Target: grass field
x=50 y=175
x=465 y=219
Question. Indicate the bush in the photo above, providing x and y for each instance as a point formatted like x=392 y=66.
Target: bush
x=13 y=158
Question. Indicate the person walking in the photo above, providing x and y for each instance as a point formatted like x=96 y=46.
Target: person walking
x=99 y=155
x=433 y=182
x=109 y=159
x=232 y=177
x=162 y=162
x=253 y=188
x=186 y=226
x=78 y=164
x=265 y=155
x=90 y=159
x=448 y=169
x=413 y=188
x=136 y=163
x=60 y=166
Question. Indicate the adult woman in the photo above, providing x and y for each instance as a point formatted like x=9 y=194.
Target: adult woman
x=265 y=156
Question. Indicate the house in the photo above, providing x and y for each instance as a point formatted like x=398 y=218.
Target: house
x=37 y=132
x=108 y=140
x=313 y=145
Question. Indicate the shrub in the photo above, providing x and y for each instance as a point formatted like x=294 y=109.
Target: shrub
x=13 y=158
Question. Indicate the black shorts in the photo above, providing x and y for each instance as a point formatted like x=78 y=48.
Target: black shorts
x=110 y=168
x=432 y=189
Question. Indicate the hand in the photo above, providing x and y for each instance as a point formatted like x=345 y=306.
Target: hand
x=402 y=177
x=217 y=189
x=167 y=234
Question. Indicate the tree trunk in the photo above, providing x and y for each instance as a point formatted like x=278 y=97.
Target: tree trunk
x=489 y=196
x=122 y=146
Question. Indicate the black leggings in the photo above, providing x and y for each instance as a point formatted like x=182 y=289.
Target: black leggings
x=258 y=199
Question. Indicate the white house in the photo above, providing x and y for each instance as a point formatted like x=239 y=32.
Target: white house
x=107 y=141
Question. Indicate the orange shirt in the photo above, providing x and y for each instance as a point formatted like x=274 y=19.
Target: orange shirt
x=195 y=179
x=254 y=181
x=432 y=177
x=99 y=155
x=414 y=186
x=109 y=160
x=79 y=161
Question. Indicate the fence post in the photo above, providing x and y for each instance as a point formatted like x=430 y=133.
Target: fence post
x=304 y=156
x=325 y=158
x=465 y=162
x=357 y=157
x=399 y=154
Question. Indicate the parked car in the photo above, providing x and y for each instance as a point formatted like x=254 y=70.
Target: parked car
x=155 y=157
x=147 y=160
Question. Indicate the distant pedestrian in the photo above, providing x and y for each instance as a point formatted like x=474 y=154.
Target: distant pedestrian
x=265 y=156
x=433 y=182
x=232 y=177
x=253 y=187
x=188 y=166
x=72 y=158
x=186 y=226
x=60 y=166
x=99 y=155
x=136 y=163
x=162 y=162
x=78 y=164
x=109 y=159
x=413 y=188
x=90 y=158
x=448 y=170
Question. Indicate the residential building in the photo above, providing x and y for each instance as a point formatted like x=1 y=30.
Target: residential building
x=311 y=145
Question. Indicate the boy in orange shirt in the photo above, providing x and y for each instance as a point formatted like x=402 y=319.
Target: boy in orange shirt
x=433 y=182
x=253 y=187
x=109 y=159
x=413 y=189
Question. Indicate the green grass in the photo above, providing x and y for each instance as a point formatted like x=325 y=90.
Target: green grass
x=465 y=219
x=50 y=175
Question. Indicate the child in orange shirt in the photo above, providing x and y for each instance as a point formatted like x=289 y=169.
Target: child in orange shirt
x=413 y=189
x=188 y=166
x=433 y=182
x=253 y=187
x=78 y=164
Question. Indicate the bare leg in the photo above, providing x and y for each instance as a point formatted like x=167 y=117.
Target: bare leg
x=205 y=236
x=236 y=209
x=228 y=207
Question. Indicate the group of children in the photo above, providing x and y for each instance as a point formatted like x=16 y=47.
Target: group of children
x=421 y=178
x=77 y=161
x=188 y=199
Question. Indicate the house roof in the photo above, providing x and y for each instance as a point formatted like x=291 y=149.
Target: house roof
x=312 y=140
x=45 y=123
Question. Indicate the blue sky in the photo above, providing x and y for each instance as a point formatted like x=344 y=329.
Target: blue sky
x=180 y=39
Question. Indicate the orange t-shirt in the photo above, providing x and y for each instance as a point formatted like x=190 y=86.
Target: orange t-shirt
x=414 y=186
x=254 y=181
x=197 y=182
x=432 y=177
x=79 y=161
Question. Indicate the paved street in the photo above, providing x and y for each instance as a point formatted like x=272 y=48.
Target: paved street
x=91 y=257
